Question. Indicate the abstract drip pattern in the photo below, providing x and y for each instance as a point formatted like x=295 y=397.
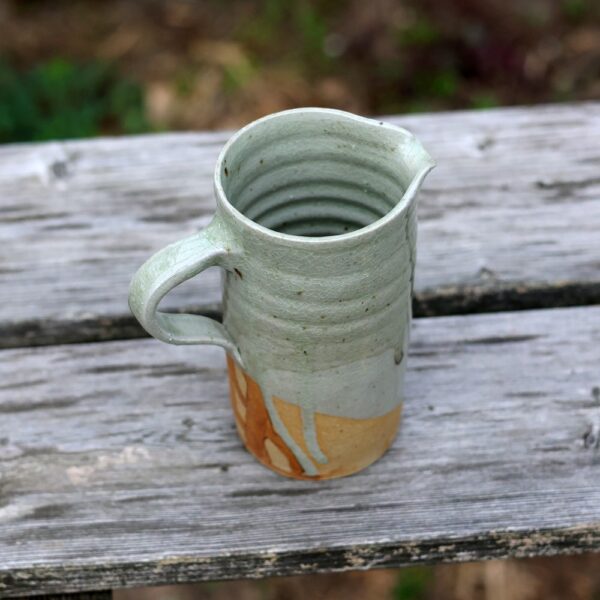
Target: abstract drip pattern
x=347 y=444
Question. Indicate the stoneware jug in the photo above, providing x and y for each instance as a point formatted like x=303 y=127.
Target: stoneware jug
x=315 y=228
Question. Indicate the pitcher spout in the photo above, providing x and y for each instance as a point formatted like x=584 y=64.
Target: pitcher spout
x=413 y=162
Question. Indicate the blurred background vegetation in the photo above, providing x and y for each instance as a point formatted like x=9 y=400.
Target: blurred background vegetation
x=83 y=68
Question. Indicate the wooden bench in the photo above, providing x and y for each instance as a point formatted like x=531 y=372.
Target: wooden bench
x=119 y=465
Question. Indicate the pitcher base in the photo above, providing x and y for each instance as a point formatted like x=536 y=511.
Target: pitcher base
x=346 y=445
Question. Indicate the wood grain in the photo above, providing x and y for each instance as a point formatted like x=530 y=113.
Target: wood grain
x=509 y=219
x=120 y=466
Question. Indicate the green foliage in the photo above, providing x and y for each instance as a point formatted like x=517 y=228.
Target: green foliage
x=264 y=29
x=274 y=12
x=415 y=106
x=298 y=30
x=184 y=81
x=236 y=75
x=442 y=83
x=421 y=33
x=484 y=100
x=59 y=99
x=575 y=10
x=412 y=584
x=313 y=29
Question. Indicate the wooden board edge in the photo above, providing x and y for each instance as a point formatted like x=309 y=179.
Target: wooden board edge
x=44 y=579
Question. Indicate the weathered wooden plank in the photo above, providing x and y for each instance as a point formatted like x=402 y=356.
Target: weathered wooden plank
x=509 y=219
x=120 y=466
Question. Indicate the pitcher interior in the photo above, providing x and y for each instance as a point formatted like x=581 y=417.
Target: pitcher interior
x=314 y=173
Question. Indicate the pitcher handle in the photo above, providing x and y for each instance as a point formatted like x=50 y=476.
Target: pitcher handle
x=168 y=268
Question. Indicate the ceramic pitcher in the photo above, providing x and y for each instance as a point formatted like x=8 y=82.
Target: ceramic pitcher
x=315 y=228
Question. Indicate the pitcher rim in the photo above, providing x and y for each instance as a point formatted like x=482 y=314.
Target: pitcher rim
x=292 y=239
